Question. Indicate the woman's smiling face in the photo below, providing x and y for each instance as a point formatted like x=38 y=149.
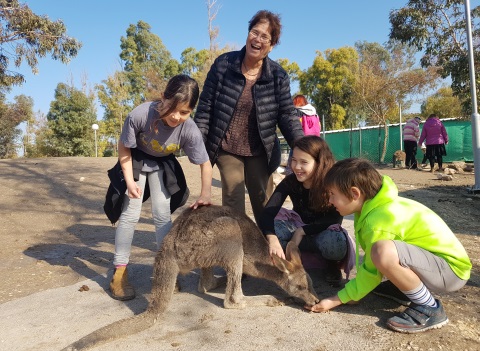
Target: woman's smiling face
x=256 y=48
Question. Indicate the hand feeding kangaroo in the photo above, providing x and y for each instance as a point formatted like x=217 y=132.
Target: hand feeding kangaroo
x=204 y=238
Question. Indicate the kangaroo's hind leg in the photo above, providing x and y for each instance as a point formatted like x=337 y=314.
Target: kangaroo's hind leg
x=234 y=294
x=208 y=281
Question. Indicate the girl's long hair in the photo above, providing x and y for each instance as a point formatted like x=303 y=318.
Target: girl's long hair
x=180 y=89
x=318 y=148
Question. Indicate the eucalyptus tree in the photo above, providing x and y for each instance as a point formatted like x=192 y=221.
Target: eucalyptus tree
x=292 y=68
x=26 y=37
x=11 y=115
x=328 y=84
x=70 y=120
x=114 y=97
x=387 y=77
x=444 y=104
x=146 y=61
x=194 y=63
x=438 y=29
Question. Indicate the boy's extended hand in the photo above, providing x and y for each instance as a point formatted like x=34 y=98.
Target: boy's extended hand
x=325 y=304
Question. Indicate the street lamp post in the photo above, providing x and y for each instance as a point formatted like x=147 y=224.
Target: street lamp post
x=473 y=91
x=95 y=127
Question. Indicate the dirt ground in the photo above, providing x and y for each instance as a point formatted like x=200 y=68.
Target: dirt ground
x=56 y=239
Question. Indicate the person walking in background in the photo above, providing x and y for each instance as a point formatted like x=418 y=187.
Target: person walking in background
x=435 y=136
x=151 y=133
x=245 y=97
x=424 y=152
x=411 y=133
x=308 y=118
x=313 y=225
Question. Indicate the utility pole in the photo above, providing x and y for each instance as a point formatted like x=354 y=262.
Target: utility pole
x=95 y=127
x=473 y=91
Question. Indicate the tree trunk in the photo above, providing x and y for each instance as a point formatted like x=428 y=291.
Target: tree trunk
x=385 y=140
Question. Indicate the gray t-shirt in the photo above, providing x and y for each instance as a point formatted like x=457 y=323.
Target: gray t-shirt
x=139 y=132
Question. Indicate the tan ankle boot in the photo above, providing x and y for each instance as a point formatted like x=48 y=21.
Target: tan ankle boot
x=119 y=286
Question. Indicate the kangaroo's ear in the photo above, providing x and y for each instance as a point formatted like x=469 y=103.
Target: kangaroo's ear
x=293 y=254
x=282 y=265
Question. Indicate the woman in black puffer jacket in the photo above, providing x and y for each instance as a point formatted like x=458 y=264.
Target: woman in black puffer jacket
x=245 y=97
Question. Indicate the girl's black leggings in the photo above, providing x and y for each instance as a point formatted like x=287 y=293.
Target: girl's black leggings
x=439 y=160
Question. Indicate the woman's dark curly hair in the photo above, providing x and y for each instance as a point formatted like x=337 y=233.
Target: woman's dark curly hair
x=272 y=19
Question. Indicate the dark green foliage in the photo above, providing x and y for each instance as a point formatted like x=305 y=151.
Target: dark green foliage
x=147 y=62
x=70 y=120
x=11 y=115
x=438 y=29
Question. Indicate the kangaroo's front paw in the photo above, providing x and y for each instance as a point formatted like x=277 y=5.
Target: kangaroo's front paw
x=274 y=302
x=269 y=300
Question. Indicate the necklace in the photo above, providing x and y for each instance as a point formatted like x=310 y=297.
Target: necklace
x=249 y=74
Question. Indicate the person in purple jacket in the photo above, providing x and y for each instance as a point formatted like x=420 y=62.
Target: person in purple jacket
x=435 y=136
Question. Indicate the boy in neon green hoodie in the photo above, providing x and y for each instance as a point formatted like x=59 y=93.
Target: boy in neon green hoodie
x=403 y=240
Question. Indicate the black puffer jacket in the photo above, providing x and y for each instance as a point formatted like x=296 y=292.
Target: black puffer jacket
x=223 y=87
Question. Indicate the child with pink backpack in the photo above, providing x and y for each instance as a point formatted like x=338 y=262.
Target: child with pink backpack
x=308 y=118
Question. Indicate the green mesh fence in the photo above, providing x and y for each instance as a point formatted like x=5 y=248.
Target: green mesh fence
x=367 y=142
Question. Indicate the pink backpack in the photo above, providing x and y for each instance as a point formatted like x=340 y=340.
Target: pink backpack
x=311 y=125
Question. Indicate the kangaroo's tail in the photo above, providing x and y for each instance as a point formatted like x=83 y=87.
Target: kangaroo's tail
x=162 y=293
x=165 y=274
x=116 y=330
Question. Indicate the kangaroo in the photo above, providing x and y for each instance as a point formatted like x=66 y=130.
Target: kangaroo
x=204 y=238
x=399 y=155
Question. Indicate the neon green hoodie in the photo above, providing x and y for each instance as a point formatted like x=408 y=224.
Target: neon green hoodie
x=390 y=217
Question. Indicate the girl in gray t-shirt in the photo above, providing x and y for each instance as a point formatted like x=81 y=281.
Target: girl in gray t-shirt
x=156 y=129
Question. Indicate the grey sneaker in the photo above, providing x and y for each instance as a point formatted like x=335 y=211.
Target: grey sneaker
x=390 y=291
x=419 y=318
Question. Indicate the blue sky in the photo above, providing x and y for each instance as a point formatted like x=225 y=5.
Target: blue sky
x=308 y=26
